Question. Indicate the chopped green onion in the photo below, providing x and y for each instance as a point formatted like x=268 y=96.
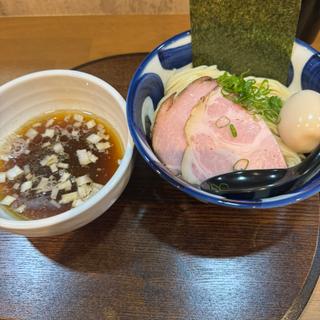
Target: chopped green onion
x=241 y=164
x=233 y=130
x=222 y=122
x=256 y=99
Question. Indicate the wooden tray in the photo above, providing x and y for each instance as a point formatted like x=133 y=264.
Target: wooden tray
x=158 y=254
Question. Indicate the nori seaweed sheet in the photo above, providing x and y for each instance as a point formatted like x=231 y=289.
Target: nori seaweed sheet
x=254 y=36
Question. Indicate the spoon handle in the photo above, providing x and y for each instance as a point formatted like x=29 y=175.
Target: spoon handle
x=308 y=168
x=311 y=163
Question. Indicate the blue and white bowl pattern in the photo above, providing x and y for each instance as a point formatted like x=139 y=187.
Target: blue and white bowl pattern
x=147 y=88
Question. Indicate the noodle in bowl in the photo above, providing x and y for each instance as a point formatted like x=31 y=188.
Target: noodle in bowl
x=168 y=70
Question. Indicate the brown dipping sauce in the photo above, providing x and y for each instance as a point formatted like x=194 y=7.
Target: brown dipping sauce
x=47 y=150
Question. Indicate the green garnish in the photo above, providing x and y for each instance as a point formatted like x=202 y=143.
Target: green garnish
x=257 y=99
x=233 y=130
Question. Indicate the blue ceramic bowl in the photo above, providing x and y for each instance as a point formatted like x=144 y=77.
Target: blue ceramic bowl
x=147 y=87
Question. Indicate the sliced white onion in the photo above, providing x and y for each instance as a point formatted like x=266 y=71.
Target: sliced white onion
x=66 y=185
x=83 y=157
x=93 y=138
x=102 y=146
x=54 y=193
x=53 y=168
x=84 y=191
x=31 y=133
x=63 y=165
x=26 y=169
x=2 y=177
x=27 y=185
x=16 y=186
x=49 y=160
x=76 y=203
x=21 y=208
x=83 y=180
x=8 y=200
x=48 y=133
x=14 y=172
x=49 y=123
x=55 y=203
x=46 y=144
x=78 y=117
x=69 y=197
x=91 y=124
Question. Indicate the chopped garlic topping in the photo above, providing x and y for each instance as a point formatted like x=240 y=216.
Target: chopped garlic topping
x=32 y=133
x=83 y=180
x=69 y=197
x=49 y=123
x=94 y=138
x=2 y=177
x=46 y=144
x=27 y=185
x=48 y=133
x=29 y=176
x=91 y=124
x=49 y=160
x=14 y=172
x=26 y=151
x=7 y=200
x=78 y=117
x=21 y=208
x=102 y=146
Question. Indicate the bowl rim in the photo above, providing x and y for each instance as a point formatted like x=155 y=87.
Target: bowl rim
x=115 y=179
x=271 y=202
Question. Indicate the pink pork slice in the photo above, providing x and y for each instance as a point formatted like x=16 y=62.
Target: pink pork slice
x=168 y=137
x=213 y=150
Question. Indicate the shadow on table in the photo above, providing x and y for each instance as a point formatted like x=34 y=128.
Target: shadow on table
x=151 y=212
x=88 y=249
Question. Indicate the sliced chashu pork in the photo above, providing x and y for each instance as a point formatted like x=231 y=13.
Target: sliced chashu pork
x=168 y=137
x=213 y=149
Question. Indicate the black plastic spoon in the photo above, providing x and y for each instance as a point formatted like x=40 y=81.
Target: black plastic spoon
x=258 y=184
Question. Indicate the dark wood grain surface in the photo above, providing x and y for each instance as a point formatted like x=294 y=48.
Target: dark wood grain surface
x=158 y=254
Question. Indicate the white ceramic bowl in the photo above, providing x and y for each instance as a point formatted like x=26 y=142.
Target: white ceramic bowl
x=45 y=91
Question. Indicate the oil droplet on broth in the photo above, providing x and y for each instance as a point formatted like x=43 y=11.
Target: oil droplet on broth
x=55 y=162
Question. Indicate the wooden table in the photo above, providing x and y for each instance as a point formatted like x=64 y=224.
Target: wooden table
x=114 y=268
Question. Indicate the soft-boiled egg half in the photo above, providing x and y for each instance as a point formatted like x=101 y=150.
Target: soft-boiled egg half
x=299 y=126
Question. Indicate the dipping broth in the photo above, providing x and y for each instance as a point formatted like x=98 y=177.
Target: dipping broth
x=56 y=162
